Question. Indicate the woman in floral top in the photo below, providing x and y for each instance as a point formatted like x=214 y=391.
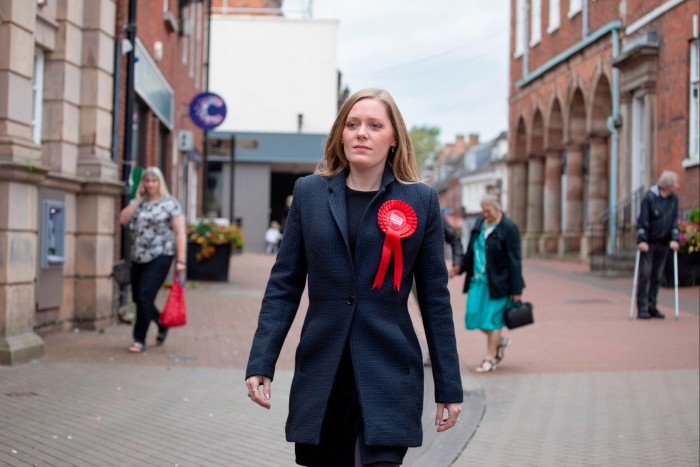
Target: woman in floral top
x=157 y=230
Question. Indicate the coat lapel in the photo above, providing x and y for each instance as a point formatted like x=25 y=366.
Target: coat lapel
x=336 y=202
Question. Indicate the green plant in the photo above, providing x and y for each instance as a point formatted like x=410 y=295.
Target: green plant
x=690 y=232
x=208 y=235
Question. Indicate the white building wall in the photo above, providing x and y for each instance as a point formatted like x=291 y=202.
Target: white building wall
x=269 y=70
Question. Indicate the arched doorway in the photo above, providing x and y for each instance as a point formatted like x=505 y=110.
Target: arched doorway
x=552 y=197
x=535 y=185
x=573 y=180
x=517 y=165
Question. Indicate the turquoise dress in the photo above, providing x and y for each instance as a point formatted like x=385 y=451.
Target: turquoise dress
x=483 y=312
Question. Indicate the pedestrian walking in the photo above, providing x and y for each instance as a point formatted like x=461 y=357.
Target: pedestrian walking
x=657 y=231
x=157 y=234
x=453 y=240
x=494 y=278
x=357 y=393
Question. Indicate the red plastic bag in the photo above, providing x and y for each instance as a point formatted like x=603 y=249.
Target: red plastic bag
x=174 y=312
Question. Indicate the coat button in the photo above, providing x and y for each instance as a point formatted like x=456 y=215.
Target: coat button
x=350 y=300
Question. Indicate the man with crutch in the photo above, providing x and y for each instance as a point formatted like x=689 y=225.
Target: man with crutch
x=657 y=230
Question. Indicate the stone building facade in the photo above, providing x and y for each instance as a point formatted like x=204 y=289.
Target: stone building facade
x=58 y=178
x=603 y=97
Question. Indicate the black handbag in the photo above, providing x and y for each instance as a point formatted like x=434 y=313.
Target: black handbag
x=518 y=314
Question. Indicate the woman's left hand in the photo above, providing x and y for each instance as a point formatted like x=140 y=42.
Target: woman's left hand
x=515 y=298
x=180 y=267
x=445 y=423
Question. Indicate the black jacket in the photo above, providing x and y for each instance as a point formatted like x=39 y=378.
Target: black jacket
x=503 y=266
x=658 y=218
x=455 y=242
x=345 y=310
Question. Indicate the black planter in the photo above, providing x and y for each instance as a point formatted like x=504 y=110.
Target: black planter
x=214 y=268
x=688 y=270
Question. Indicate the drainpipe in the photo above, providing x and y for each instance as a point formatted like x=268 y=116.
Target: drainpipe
x=526 y=31
x=614 y=122
x=584 y=20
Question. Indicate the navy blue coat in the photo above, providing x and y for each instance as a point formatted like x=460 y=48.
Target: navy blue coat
x=343 y=308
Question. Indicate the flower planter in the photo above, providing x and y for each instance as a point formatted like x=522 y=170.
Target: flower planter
x=214 y=268
x=688 y=270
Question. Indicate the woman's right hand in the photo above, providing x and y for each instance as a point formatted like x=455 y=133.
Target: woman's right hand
x=261 y=398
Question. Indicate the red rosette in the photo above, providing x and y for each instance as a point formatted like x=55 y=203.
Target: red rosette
x=397 y=220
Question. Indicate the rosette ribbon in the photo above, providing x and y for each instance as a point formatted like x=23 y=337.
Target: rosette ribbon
x=397 y=220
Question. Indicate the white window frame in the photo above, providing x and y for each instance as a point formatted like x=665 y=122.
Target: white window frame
x=535 y=22
x=694 y=104
x=37 y=95
x=575 y=7
x=554 y=15
x=520 y=12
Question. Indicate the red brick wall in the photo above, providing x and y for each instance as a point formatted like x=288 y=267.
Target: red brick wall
x=150 y=28
x=672 y=88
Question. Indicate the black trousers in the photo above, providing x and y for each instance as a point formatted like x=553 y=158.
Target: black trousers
x=342 y=443
x=146 y=280
x=651 y=267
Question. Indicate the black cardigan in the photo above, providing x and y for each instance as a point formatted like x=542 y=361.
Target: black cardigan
x=503 y=266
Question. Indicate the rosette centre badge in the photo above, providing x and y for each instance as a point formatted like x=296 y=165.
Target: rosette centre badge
x=397 y=220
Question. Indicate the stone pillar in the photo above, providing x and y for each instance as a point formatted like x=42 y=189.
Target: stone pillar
x=97 y=200
x=20 y=173
x=598 y=180
x=571 y=237
x=552 y=202
x=535 y=191
x=517 y=185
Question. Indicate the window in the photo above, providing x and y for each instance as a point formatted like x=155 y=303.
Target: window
x=553 y=16
x=535 y=22
x=575 y=7
x=37 y=95
x=520 y=31
x=694 y=101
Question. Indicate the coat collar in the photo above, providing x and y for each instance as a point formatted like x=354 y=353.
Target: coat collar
x=336 y=199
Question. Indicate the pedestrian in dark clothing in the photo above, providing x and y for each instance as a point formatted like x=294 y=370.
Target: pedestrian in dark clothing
x=357 y=393
x=494 y=278
x=452 y=239
x=657 y=230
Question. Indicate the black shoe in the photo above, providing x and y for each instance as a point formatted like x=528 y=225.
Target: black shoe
x=657 y=314
x=162 y=334
x=643 y=315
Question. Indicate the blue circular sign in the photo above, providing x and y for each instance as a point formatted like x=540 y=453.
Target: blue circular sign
x=207 y=110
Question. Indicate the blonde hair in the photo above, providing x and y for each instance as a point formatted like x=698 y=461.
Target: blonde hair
x=155 y=172
x=401 y=160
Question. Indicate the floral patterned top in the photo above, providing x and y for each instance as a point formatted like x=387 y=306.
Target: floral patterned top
x=151 y=229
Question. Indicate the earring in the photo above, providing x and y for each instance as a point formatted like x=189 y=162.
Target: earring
x=393 y=148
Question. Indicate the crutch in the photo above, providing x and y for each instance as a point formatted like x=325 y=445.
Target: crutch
x=675 y=280
x=634 y=285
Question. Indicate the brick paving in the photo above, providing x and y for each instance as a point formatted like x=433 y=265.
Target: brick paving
x=583 y=386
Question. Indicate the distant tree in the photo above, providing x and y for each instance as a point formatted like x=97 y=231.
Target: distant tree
x=425 y=142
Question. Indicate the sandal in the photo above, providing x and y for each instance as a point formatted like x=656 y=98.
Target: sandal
x=501 y=349
x=137 y=347
x=486 y=366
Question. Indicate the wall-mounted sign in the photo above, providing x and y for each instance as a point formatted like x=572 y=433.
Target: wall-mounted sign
x=207 y=110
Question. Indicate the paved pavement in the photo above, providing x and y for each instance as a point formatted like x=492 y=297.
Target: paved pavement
x=583 y=386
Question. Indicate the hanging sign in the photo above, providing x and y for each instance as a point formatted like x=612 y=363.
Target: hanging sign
x=207 y=110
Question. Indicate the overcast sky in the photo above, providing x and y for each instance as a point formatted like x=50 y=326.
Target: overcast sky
x=445 y=62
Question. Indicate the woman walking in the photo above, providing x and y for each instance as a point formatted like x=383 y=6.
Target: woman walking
x=157 y=229
x=494 y=277
x=359 y=230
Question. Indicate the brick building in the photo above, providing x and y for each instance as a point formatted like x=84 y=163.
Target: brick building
x=603 y=97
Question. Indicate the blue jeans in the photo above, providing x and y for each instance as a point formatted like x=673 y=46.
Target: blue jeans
x=146 y=280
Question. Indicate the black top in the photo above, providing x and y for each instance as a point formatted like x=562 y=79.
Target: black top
x=658 y=218
x=356 y=203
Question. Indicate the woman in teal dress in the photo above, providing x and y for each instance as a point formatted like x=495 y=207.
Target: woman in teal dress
x=494 y=277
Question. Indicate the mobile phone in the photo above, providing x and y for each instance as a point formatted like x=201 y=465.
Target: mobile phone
x=135 y=180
